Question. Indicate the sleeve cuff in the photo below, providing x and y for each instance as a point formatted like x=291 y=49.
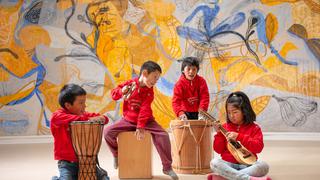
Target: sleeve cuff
x=141 y=125
x=180 y=113
x=106 y=119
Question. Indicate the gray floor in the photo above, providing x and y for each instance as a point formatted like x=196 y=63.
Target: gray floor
x=294 y=160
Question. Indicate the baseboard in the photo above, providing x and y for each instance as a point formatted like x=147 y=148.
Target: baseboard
x=26 y=139
x=291 y=136
x=268 y=136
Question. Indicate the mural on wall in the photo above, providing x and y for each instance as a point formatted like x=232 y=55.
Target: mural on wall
x=268 y=49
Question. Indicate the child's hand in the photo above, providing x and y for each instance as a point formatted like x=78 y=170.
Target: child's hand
x=139 y=134
x=200 y=117
x=125 y=89
x=97 y=119
x=128 y=90
x=183 y=117
x=216 y=126
x=231 y=135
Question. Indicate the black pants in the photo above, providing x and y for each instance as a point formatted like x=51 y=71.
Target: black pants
x=192 y=115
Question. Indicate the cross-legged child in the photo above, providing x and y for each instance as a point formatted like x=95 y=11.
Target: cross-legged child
x=137 y=115
x=240 y=127
x=190 y=92
x=72 y=100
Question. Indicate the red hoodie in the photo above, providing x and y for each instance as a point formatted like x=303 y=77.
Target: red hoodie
x=63 y=149
x=250 y=136
x=190 y=96
x=137 y=108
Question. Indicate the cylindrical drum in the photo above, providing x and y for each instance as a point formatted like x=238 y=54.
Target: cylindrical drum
x=86 y=139
x=191 y=143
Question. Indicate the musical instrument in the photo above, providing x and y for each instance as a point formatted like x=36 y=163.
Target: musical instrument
x=190 y=146
x=239 y=152
x=131 y=87
x=86 y=140
x=134 y=156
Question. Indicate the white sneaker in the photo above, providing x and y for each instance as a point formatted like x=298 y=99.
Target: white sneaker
x=171 y=173
x=115 y=162
x=55 y=178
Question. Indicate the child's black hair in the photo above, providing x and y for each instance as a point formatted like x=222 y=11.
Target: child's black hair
x=69 y=92
x=190 y=61
x=150 y=66
x=241 y=101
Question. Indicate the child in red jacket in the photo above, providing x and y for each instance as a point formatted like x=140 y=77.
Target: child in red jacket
x=190 y=92
x=72 y=100
x=137 y=115
x=240 y=127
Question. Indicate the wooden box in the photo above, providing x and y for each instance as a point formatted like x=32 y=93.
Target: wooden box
x=134 y=156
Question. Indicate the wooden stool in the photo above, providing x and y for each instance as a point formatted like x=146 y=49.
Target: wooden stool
x=134 y=156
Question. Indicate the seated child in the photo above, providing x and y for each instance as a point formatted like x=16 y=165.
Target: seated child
x=240 y=127
x=190 y=92
x=137 y=115
x=72 y=100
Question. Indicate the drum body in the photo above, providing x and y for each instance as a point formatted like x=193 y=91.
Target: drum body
x=86 y=139
x=191 y=143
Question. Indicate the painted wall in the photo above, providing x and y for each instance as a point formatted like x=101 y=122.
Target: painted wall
x=266 y=48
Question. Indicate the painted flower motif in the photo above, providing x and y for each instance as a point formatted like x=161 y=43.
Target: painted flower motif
x=294 y=110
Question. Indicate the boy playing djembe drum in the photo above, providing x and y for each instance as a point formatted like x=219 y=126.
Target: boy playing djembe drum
x=72 y=100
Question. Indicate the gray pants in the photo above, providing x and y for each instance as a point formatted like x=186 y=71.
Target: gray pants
x=238 y=171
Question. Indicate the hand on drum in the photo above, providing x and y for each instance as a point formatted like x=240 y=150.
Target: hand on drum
x=97 y=119
x=183 y=117
x=139 y=134
x=200 y=116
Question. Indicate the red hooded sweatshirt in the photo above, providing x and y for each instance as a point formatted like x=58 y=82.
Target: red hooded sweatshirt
x=190 y=96
x=63 y=149
x=250 y=136
x=137 y=108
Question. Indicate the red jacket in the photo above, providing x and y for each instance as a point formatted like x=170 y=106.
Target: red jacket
x=137 y=108
x=190 y=96
x=63 y=149
x=250 y=136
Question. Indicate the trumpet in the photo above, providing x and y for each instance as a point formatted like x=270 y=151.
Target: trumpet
x=131 y=88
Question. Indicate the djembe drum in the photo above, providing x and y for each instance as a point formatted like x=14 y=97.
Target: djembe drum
x=86 y=139
x=191 y=146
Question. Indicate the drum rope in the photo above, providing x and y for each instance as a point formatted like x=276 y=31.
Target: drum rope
x=86 y=141
x=181 y=142
x=198 y=152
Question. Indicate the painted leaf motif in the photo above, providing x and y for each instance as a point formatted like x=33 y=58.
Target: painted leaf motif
x=271 y=27
x=314 y=46
x=299 y=30
x=162 y=110
x=272 y=81
x=260 y=103
x=277 y=2
x=313 y=5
